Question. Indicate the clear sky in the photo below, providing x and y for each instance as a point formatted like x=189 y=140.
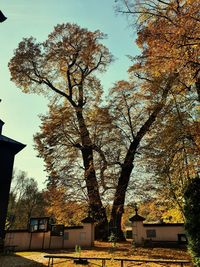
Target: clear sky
x=37 y=18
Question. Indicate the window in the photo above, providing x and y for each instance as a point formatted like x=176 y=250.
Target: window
x=38 y=225
x=151 y=233
x=57 y=230
x=33 y=225
x=42 y=224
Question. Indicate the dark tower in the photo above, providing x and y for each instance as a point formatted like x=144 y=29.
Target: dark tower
x=8 y=149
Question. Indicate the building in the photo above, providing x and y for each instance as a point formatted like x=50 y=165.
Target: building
x=41 y=235
x=8 y=149
x=165 y=233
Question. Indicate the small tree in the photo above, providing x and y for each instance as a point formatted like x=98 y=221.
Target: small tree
x=192 y=216
x=25 y=201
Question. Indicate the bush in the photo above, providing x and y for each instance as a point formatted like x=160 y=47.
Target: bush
x=192 y=216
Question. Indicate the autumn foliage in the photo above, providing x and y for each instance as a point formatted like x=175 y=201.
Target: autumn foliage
x=92 y=144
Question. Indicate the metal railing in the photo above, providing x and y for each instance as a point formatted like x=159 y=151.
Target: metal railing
x=85 y=260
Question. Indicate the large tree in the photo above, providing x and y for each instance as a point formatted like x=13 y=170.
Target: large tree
x=114 y=135
x=64 y=67
x=168 y=34
x=136 y=111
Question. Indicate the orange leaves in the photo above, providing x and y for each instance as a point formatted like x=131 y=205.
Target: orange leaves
x=22 y=67
x=63 y=64
x=78 y=47
x=122 y=86
x=169 y=38
x=60 y=207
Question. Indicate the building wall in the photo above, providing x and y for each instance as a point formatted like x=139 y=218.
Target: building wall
x=156 y=232
x=24 y=240
x=20 y=239
x=138 y=232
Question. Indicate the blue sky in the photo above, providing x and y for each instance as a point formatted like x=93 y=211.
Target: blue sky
x=37 y=18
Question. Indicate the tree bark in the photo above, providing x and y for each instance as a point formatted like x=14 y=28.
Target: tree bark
x=95 y=204
x=127 y=166
x=198 y=89
x=120 y=193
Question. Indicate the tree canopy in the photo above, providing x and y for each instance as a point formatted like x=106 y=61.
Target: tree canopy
x=168 y=35
x=90 y=144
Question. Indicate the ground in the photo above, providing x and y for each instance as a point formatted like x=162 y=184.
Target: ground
x=101 y=249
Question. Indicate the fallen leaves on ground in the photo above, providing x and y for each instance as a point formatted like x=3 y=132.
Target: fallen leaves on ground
x=101 y=249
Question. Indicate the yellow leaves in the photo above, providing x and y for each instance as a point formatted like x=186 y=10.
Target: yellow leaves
x=144 y=15
x=189 y=2
x=135 y=67
x=169 y=39
x=67 y=58
x=173 y=215
x=122 y=85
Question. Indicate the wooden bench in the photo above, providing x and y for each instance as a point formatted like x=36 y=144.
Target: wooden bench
x=51 y=258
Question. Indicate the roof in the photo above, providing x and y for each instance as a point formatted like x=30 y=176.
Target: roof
x=10 y=143
x=88 y=220
x=1 y=123
x=162 y=224
x=137 y=218
x=73 y=227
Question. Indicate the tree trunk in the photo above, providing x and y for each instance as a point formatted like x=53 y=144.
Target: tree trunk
x=120 y=193
x=95 y=204
x=127 y=166
x=198 y=89
x=97 y=210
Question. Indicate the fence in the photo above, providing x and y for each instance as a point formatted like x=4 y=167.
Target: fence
x=85 y=260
